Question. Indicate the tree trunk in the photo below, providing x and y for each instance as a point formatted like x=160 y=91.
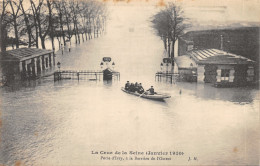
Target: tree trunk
x=76 y=39
x=52 y=43
x=165 y=43
x=63 y=34
x=62 y=30
x=35 y=24
x=50 y=29
x=172 y=56
x=28 y=28
x=3 y=36
x=36 y=33
x=82 y=36
x=169 y=48
x=58 y=41
x=75 y=34
x=43 y=42
x=16 y=34
x=94 y=31
x=30 y=38
x=69 y=29
x=172 y=53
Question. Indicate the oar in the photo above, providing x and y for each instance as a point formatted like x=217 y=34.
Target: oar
x=142 y=94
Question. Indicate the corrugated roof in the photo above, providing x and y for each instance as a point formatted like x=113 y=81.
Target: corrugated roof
x=23 y=53
x=185 y=62
x=215 y=56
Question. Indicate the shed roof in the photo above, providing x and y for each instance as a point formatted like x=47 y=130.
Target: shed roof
x=185 y=62
x=21 y=54
x=215 y=56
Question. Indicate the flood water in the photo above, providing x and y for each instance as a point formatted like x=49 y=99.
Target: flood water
x=61 y=123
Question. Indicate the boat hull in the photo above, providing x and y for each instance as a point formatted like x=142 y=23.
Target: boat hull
x=158 y=96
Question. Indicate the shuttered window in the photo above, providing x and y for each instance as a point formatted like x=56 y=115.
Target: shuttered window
x=225 y=74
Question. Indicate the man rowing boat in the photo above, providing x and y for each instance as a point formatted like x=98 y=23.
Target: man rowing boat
x=149 y=94
x=151 y=91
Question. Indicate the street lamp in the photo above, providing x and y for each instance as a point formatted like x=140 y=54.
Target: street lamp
x=167 y=67
x=113 y=65
x=101 y=65
x=221 y=42
x=58 y=64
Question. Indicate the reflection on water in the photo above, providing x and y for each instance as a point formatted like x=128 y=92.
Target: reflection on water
x=60 y=123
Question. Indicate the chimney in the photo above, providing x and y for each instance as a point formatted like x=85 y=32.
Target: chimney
x=221 y=42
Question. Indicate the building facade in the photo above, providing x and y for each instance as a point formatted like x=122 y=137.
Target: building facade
x=242 y=41
x=218 y=67
x=27 y=63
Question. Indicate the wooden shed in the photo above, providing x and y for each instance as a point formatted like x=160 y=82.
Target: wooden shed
x=26 y=63
x=222 y=68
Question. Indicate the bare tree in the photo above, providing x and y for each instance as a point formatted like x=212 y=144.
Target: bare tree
x=68 y=20
x=74 y=10
x=15 y=8
x=51 y=25
x=43 y=20
x=169 y=24
x=53 y=18
x=36 y=12
x=59 y=8
x=4 y=22
x=28 y=23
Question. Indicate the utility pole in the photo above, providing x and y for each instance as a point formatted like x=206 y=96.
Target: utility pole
x=221 y=42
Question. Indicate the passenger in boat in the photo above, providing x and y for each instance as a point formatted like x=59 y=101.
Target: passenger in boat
x=151 y=91
x=140 y=88
x=136 y=86
x=127 y=85
x=132 y=87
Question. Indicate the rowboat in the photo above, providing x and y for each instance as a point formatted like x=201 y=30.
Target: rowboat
x=157 y=96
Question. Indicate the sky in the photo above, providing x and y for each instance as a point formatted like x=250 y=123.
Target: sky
x=206 y=10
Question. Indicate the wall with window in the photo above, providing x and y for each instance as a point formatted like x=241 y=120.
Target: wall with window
x=225 y=73
x=210 y=73
x=244 y=74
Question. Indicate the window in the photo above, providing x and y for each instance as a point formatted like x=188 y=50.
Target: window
x=225 y=74
x=190 y=47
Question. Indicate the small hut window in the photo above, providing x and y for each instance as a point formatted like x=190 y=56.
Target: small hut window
x=225 y=74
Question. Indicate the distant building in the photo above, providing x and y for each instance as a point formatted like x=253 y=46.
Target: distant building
x=242 y=41
x=26 y=63
x=184 y=45
x=187 y=68
x=217 y=67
